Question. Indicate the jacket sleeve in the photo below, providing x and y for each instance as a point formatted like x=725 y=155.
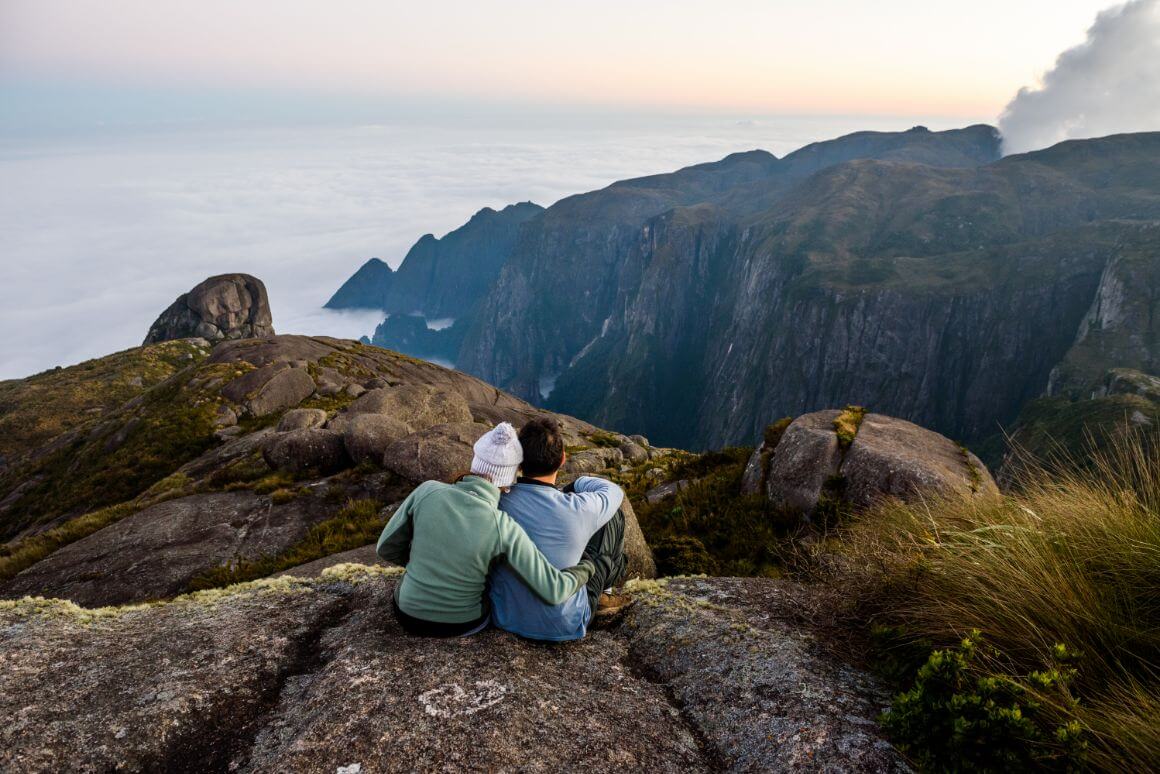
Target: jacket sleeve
x=549 y=584
x=597 y=500
x=394 y=544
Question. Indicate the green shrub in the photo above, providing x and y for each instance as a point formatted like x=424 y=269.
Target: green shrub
x=847 y=423
x=742 y=534
x=606 y=440
x=959 y=717
x=683 y=555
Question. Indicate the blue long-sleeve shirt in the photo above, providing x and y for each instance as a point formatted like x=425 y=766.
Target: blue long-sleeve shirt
x=560 y=524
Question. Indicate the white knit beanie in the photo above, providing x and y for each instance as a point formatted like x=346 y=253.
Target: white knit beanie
x=498 y=455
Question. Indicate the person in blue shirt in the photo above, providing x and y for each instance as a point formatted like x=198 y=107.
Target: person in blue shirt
x=583 y=521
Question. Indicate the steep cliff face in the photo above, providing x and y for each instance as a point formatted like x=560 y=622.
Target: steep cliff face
x=1121 y=329
x=569 y=267
x=943 y=295
x=912 y=271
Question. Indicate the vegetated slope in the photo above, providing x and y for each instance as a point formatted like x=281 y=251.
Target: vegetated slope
x=263 y=453
x=40 y=408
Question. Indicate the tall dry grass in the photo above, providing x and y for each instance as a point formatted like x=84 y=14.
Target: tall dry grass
x=1070 y=555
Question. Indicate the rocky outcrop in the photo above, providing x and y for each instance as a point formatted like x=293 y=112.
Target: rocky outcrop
x=155 y=553
x=301 y=419
x=804 y=460
x=416 y=405
x=895 y=458
x=311 y=675
x=367 y=288
x=311 y=449
x=887 y=457
x=440 y=452
x=270 y=389
x=367 y=436
x=228 y=306
x=639 y=557
x=440 y=278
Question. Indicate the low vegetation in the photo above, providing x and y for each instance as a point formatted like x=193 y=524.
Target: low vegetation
x=957 y=717
x=171 y=424
x=709 y=528
x=1062 y=578
x=357 y=523
x=847 y=423
x=41 y=407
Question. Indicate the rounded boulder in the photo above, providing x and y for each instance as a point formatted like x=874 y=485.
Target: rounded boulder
x=417 y=405
x=310 y=449
x=439 y=452
x=301 y=419
x=367 y=436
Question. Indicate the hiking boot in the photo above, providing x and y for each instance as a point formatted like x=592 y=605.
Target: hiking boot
x=611 y=604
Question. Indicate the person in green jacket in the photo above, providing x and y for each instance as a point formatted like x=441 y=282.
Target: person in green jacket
x=449 y=536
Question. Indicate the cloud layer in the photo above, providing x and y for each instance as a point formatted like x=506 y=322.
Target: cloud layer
x=1108 y=84
x=100 y=234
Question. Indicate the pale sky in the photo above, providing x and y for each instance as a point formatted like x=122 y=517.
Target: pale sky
x=912 y=57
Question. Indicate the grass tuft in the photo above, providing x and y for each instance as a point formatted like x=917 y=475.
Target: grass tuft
x=847 y=423
x=1069 y=557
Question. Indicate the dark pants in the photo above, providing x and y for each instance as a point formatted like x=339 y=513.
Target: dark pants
x=606 y=551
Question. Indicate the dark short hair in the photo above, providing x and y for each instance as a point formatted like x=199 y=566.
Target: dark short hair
x=543 y=444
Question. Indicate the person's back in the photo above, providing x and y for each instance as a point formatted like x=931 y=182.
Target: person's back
x=567 y=527
x=450 y=551
x=449 y=535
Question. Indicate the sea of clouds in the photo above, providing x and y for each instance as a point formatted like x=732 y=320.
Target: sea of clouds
x=100 y=232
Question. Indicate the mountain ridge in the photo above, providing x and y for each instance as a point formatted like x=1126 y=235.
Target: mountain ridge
x=621 y=303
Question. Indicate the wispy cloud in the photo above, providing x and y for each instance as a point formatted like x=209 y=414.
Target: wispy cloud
x=1108 y=84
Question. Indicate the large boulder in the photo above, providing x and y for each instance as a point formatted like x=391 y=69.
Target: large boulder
x=640 y=557
x=895 y=458
x=888 y=457
x=228 y=306
x=301 y=419
x=416 y=405
x=311 y=449
x=156 y=552
x=588 y=461
x=270 y=389
x=805 y=458
x=441 y=452
x=316 y=675
x=367 y=436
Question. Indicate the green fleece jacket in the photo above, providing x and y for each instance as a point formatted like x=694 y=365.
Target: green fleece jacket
x=448 y=535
